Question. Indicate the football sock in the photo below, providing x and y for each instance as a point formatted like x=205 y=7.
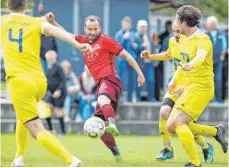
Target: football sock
x=187 y=141
x=201 y=141
x=198 y=129
x=62 y=125
x=109 y=141
x=165 y=134
x=53 y=145
x=22 y=138
x=49 y=123
x=108 y=111
x=115 y=151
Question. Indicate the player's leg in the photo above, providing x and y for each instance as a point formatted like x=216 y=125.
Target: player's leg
x=109 y=92
x=219 y=132
x=25 y=104
x=22 y=138
x=166 y=107
x=59 y=104
x=178 y=124
x=206 y=147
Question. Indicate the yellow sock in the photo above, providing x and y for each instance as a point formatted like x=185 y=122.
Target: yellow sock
x=198 y=129
x=165 y=134
x=22 y=138
x=53 y=145
x=187 y=141
x=201 y=141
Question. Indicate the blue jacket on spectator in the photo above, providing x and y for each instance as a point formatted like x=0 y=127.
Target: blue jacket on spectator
x=128 y=43
x=219 y=44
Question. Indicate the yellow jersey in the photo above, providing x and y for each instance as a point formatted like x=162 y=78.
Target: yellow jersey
x=202 y=74
x=174 y=52
x=20 y=41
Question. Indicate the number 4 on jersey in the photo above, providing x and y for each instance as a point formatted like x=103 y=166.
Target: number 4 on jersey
x=19 y=40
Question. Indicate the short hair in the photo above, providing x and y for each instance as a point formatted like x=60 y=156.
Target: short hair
x=66 y=63
x=212 y=19
x=52 y=52
x=127 y=19
x=92 y=18
x=16 y=5
x=168 y=23
x=190 y=15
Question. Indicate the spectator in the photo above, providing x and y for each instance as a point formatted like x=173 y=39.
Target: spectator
x=3 y=73
x=219 y=51
x=225 y=72
x=72 y=87
x=142 y=30
x=87 y=98
x=56 y=91
x=159 y=67
x=131 y=43
x=47 y=43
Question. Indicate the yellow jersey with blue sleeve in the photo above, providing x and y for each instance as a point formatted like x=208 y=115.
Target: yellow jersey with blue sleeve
x=20 y=41
x=199 y=85
x=21 y=44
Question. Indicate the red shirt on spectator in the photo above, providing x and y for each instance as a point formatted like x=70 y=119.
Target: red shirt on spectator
x=101 y=62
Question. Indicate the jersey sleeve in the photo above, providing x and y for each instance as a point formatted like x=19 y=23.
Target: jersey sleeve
x=79 y=38
x=112 y=46
x=169 y=52
x=204 y=44
x=41 y=24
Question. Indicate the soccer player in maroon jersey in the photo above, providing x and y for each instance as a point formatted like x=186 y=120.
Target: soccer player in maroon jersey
x=101 y=65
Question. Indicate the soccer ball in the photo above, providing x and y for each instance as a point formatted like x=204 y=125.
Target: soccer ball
x=94 y=127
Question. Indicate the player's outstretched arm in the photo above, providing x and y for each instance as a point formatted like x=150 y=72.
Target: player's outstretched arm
x=50 y=17
x=157 y=57
x=63 y=35
x=133 y=64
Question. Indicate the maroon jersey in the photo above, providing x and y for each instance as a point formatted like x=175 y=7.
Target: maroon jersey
x=101 y=62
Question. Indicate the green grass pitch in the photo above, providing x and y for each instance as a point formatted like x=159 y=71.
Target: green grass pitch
x=136 y=150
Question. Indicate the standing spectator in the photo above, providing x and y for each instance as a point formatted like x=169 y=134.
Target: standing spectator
x=72 y=87
x=87 y=95
x=47 y=43
x=142 y=30
x=3 y=73
x=225 y=71
x=219 y=51
x=56 y=91
x=131 y=43
x=159 y=67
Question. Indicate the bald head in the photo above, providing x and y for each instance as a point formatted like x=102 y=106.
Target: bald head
x=176 y=31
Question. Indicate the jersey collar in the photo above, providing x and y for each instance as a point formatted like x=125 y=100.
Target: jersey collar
x=17 y=14
x=188 y=38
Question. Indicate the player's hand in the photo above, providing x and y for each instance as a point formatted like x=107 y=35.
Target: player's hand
x=85 y=48
x=50 y=17
x=178 y=92
x=141 y=80
x=171 y=85
x=56 y=94
x=186 y=67
x=145 y=54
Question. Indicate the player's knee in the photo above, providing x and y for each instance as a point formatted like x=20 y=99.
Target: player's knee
x=165 y=112
x=170 y=127
x=35 y=127
x=102 y=100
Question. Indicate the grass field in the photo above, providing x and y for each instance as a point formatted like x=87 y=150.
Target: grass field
x=136 y=150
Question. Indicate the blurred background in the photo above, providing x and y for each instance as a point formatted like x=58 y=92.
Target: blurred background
x=151 y=22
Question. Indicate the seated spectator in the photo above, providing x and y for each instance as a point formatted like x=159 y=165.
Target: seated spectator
x=72 y=87
x=87 y=98
x=56 y=91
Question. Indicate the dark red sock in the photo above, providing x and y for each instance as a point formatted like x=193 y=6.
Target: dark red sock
x=108 y=111
x=108 y=140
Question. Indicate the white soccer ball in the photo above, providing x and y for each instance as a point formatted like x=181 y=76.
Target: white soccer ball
x=94 y=127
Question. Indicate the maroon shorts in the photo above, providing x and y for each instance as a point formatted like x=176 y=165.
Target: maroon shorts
x=111 y=87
